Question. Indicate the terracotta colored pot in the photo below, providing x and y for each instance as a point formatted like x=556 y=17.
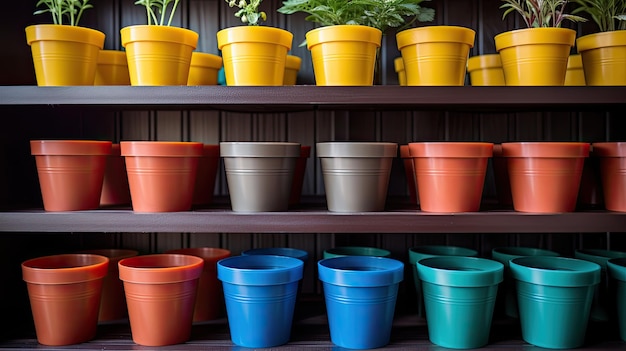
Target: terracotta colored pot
x=450 y=175
x=204 y=68
x=409 y=172
x=210 y=296
x=112 y=68
x=113 y=301
x=613 y=171
x=64 y=293
x=70 y=172
x=160 y=293
x=298 y=175
x=206 y=174
x=545 y=176
x=153 y=167
x=501 y=176
x=115 y=189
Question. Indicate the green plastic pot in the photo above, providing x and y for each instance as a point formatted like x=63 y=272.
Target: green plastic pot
x=356 y=251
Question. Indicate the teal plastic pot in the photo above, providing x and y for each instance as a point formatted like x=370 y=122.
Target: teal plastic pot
x=426 y=251
x=356 y=251
x=507 y=293
x=602 y=305
x=260 y=294
x=360 y=294
x=617 y=272
x=554 y=296
x=459 y=296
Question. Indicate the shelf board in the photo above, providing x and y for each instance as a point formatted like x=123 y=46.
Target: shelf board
x=311 y=221
x=307 y=97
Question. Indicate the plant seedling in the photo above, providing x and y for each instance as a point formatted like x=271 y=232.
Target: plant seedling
x=70 y=10
x=156 y=11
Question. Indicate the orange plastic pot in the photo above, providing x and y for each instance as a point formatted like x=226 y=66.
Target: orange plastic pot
x=64 y=293
x=298 y=175
x=485 y=70
x=545 y=176
x=450 y=175
x=535 y=56
x=409 y=172
x=292 y=67
x=112 y=68
x=501 y=176
x=435 y=55
x=64 y=55
x=113 y=301
x=115 y=189
x=604 y=57
x=210 y=297
x=160 y=294
x=613 y=172
x=158 y=55
x=575 y=75
x=206 y=174
x=344 y=54
x=254 y=55
x=153 y=167
x=204 y=69
x=398 y=66
x=70 y=172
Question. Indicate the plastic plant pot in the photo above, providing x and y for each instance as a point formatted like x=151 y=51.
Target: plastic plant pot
x=154 y=166
x=259 y=174
x=554 y=296
x=613 y=172
x=210 y=297
x=356 y=174
x=298 y=175
x=360 y=294
x=603 y=304
x=575 y=75
x=112 y=68
x=278 y=251
x=418 y=253
x=459 y=296
x=115 y=190
x=160 y=293
x=64 y=293
x=206 y=175
x=485 y=70
x=507 y=293
x=203 y=69
x=356 y=251
x=260 y=293
x=113 y=300
x=617 y=273
x=292 y=67
x=70 y=172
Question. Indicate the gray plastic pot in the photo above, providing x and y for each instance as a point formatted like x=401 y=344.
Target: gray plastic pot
x=259 y=174
x=356 y=174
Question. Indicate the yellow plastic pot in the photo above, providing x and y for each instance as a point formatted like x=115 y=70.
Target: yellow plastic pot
x=575 y=74
x=204 y=68
x=604 y=57
x=435 y=55
x=398 y=65
x=254 y=55
x=292 y=67
x=112 y=68
x=344 y=54
x=64 y=55
x=535 y=56
x=158 y=55
x=485 y=70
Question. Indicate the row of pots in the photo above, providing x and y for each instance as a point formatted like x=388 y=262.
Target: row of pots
x=260 y=289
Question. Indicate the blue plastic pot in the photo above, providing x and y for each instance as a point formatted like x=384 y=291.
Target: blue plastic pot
x=426 y=251
x=356 y=251
x=617 y=272
x=554 y=296
x=260 y=293
x=279 y=251
x=459 y=296
x=360 y=294
x=507 y=292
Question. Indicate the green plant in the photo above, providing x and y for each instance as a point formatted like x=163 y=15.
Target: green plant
x=609 y=15
x=381 y=14
x=540 y=13
x=71 y=10
x=248 y=11
x=157 y=10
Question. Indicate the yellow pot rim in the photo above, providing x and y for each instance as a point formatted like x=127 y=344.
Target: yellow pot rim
x=398 y=64
x=293 y=62
x=112 y=57
x=604 y=39
x=530 y=36
x=344 y=32
x=484 y=61
x=205 y=59
x=254 y=34
x=168 y=34
x=440 y=34
x=575 y=62
x=40 y=32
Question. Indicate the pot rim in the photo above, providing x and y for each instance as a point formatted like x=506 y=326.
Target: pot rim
x=358 y=251
x=70 y=147
x=210 y=255
x=609 y=149
x=484 y=61
x=555 y=271
x=41 y=32
x=598 y=256
x=600 y=40
x=113 y=255
x=356 y=149
x=112 y=57
x=534 y=36
x=617 y=268
x=205 y=59
x=438 y=34
x=259 y=149
x=259 y=270
x=547 y=149
x=460 y=271
x=439 y=250
x=343 y=32
x=360 y=271
x=148 y=33
x=451 y=149
x=293 y=62
x=510 y=252
x=254 y=34
x=64 y=268
x=162 y=148
x=278 y=251
x=160 y=268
